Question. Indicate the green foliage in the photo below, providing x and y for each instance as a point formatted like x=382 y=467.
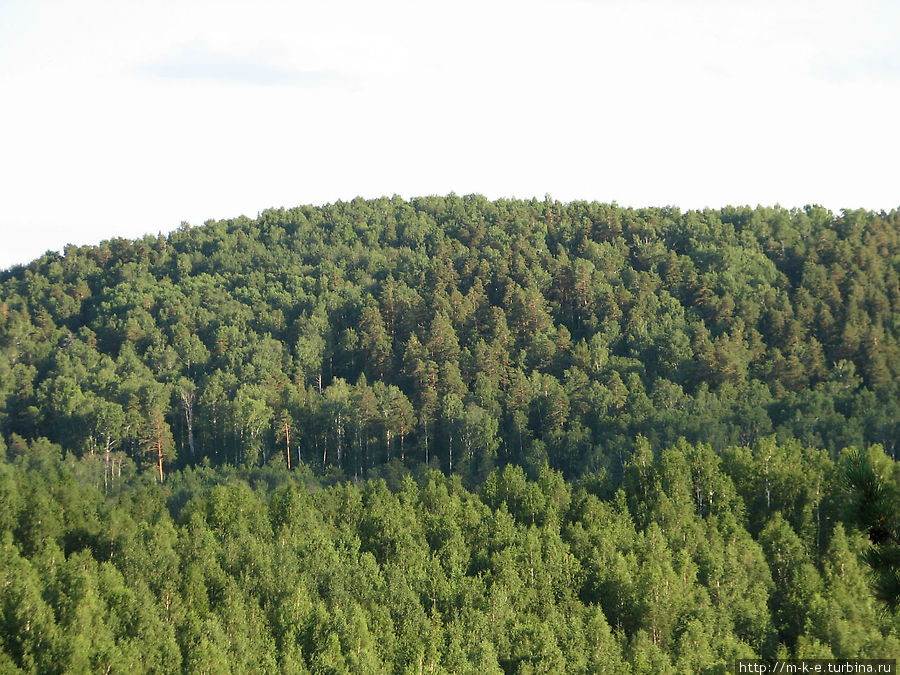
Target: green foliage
x=564 y=330
x=581 y=438
x=872 y=481
x=266 y=569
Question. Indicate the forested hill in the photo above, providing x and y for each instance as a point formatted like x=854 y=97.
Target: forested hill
x=461 y=333
x=452 y=435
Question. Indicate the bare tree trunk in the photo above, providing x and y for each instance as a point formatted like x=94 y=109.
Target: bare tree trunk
x=287 y=443
x=159 y=456
x=188 y=398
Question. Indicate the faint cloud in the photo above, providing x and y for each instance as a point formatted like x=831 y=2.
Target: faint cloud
x=252 y=68
x=878 y=64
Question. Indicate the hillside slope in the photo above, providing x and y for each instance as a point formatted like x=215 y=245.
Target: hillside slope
x=459 y=332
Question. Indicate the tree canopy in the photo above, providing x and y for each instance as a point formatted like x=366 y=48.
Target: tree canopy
x=452 y=433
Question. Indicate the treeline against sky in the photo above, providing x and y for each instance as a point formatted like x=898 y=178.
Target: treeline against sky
x=458 y=333
x=454 y=435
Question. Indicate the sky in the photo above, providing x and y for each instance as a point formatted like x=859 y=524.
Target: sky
x=122 y=118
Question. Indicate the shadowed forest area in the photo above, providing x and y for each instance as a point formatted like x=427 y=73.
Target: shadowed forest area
x=453 y=435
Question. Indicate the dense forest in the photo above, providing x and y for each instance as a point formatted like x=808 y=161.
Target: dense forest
x=452 y=434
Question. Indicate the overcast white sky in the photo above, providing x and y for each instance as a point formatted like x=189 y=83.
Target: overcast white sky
x=121 y=118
